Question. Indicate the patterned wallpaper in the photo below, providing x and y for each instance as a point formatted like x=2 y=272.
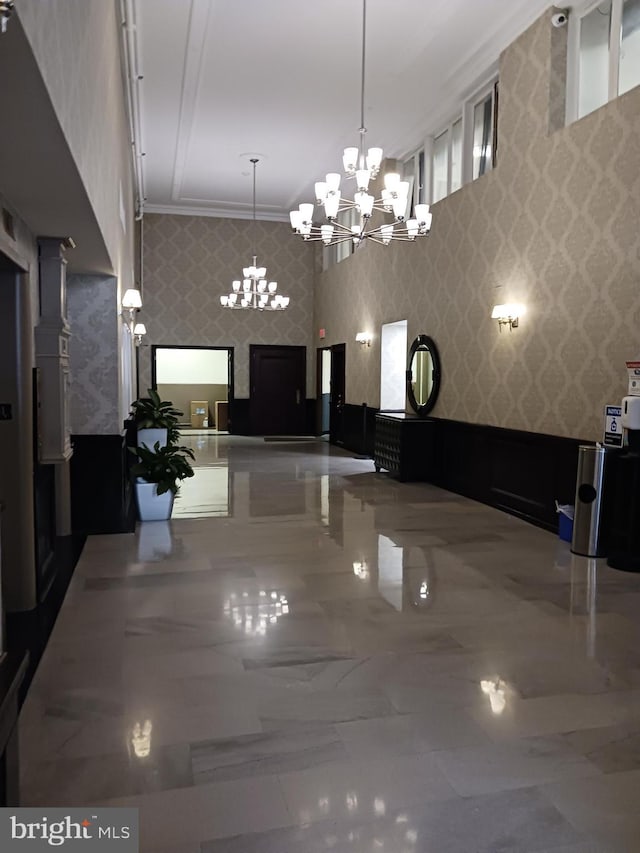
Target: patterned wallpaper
x=190 y=261
x=76 y=44
x=554 y=226
x=91 y=311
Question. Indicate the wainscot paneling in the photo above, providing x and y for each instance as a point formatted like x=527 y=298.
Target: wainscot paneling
x=102 y=499
x=522 y=473
x=359 y=428
x=239 y=419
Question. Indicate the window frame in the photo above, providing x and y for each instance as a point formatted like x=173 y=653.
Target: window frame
x=580 y=11
x=411 y=172
x=491 y=88
x=466 y=115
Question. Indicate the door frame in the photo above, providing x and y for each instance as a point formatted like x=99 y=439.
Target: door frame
x=230 y=370
x=319 y=430
x=334 y=438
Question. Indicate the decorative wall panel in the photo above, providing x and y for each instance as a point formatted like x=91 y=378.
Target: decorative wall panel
x=554 y=226
x=190 y=261
x=92 y=303
x=77 y=47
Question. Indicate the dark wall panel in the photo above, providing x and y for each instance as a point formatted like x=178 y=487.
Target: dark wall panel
x=102 y=499
x=239 y=419
x=522 y=473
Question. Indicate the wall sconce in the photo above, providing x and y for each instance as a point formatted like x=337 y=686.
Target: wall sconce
x=363 y=338
x=508 y=314
x=132 y=302
x=138 y=331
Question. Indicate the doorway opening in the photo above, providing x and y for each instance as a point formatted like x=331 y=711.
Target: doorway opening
x=323 y=390
x=330 y=391
x=199 y=382
x=393 y=360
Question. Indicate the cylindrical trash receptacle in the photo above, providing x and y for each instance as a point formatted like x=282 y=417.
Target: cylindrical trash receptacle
x=587 y=538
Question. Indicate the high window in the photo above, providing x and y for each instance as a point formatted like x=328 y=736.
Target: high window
x=485 y=133
x=466 y=148
x=604 y=54
x=413 y=170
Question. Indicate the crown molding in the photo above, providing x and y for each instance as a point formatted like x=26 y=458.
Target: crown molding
x=215 y=212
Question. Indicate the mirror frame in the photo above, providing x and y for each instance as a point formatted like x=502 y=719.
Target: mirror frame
x=419 y=343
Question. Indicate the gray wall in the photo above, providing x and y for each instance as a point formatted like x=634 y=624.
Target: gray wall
x=92 y=304
x=554 y=226
x=76 y=44
x=190 y=261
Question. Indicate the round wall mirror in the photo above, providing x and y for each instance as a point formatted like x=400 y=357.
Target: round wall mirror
x=423 y=375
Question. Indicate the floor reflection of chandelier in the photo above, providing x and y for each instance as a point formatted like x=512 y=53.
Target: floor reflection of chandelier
x=254 y=291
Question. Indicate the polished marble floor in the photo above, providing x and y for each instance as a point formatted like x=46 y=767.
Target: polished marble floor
x=314 y=657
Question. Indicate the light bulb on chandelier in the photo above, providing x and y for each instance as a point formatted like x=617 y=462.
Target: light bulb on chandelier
x=363 y=168
x=254 y=291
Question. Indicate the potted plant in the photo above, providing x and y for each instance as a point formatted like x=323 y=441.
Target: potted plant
x=158 y=473
x=155 y=419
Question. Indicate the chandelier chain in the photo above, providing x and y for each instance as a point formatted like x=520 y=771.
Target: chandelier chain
x=363 y=129
x=254 y=161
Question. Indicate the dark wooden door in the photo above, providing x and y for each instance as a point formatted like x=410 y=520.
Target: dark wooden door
x=336 y=402
x=277 y=379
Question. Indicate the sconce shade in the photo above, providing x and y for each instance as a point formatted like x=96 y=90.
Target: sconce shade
x=139 y=329
x=509 y=309
x=508 y=314
x=132 y=299
x=363 y=338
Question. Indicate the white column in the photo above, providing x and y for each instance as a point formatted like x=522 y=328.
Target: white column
x=52 y=359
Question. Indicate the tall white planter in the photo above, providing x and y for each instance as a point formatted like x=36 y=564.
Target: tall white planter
x=149 y=437
x=151 y=505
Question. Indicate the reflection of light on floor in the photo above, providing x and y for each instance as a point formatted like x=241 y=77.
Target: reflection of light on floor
x=390 y=560
x=405 y=836
x=205 y=495
x=495 y=690
x=141 y=738
x=324 y=499
x=254 y=619
x=360 y=569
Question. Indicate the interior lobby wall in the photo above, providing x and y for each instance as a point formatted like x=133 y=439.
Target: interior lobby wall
x=92 y=302
x=190 y=261
x=76 y=44
x=554 y=226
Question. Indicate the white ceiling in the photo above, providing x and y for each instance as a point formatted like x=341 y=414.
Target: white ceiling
x=223 y=79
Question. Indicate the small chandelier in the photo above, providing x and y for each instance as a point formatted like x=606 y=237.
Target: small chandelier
x=364 y=168
x=6 y=7
x=254 y=291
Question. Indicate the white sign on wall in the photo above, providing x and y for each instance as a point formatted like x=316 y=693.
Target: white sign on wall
x=613 y=426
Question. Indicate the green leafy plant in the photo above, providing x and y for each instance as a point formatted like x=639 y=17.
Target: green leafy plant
x=153 y=413
x=164 y=466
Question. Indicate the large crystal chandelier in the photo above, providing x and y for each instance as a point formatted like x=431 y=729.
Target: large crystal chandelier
x=359 y=213
x=254 y=291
